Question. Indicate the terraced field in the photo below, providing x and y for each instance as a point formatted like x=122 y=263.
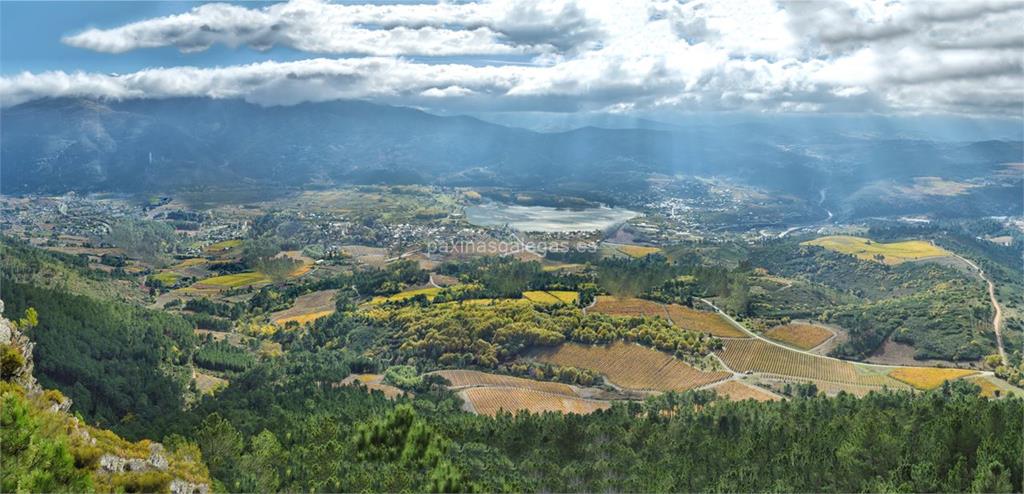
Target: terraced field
x=460 y=378
x=631 y=366
x=802 y=336
x=756 y=355
x=491 y=400
x=890 y=253
x=738 y=391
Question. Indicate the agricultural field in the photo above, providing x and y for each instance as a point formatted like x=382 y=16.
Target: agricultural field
x=928 y=377
x=799 y=335
x=208 y=384
x=994 y=388
x=370 y=256
x=223 y=246
x=627 y=306
x=309 y=304
x=305 y=267
x=756 y=355
x=234 y=280
x=429 y=292
x=492 y=400
x=190 y=263
x=680 y=316
x=460 y=378
x=703 y=321
x=167 y=278
x=888 y=253
x=739 y=391
x=372 y=382
x=637 y=251
x=304 y=318
x=631 y=366
x=552 y=296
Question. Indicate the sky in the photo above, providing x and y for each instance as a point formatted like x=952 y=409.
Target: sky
x=888 y=57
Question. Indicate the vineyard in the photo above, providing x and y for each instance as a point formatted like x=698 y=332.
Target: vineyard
x=738 y=391
x=631 y=366
x=490 y=400
x=705 y=322
x=470 y=379
x=802 y=336
x=760 y=356
x=681 y=316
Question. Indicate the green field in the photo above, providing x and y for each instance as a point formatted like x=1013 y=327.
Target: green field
x=430 y=293
x=235 y=280
x=168 y=278
x=224 y=245
x=552 y=296
x=891 y=253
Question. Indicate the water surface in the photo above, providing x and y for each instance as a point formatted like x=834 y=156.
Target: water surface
x=546 y=219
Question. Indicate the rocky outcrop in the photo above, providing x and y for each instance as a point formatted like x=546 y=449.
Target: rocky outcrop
x=13 y=338
x=18 y=366
x=156 y=461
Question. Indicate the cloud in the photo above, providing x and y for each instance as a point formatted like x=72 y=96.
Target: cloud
x=381 y=30
x=594 y=55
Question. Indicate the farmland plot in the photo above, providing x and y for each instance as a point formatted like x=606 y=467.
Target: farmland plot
x=680 y=316
x=460 y=378
x=632 y=366
x=760 y=356
x=928 y=377
x=552 y=296
x=703 y=321
x=491 y=400
x=627 y=306
x=315 y=304
x=739 y=391
x=802 y=336
x=372 y=382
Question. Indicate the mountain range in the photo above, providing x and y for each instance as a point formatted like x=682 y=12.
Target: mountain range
x=58 y=145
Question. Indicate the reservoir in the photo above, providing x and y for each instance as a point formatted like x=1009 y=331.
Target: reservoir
x=546 y=219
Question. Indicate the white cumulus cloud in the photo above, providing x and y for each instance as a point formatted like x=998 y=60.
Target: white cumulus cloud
x=569 y=55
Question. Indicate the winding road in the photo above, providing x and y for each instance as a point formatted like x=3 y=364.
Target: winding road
x=997 y=319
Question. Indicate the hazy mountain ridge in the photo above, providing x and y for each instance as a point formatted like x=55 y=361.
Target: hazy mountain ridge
x=56 y=145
